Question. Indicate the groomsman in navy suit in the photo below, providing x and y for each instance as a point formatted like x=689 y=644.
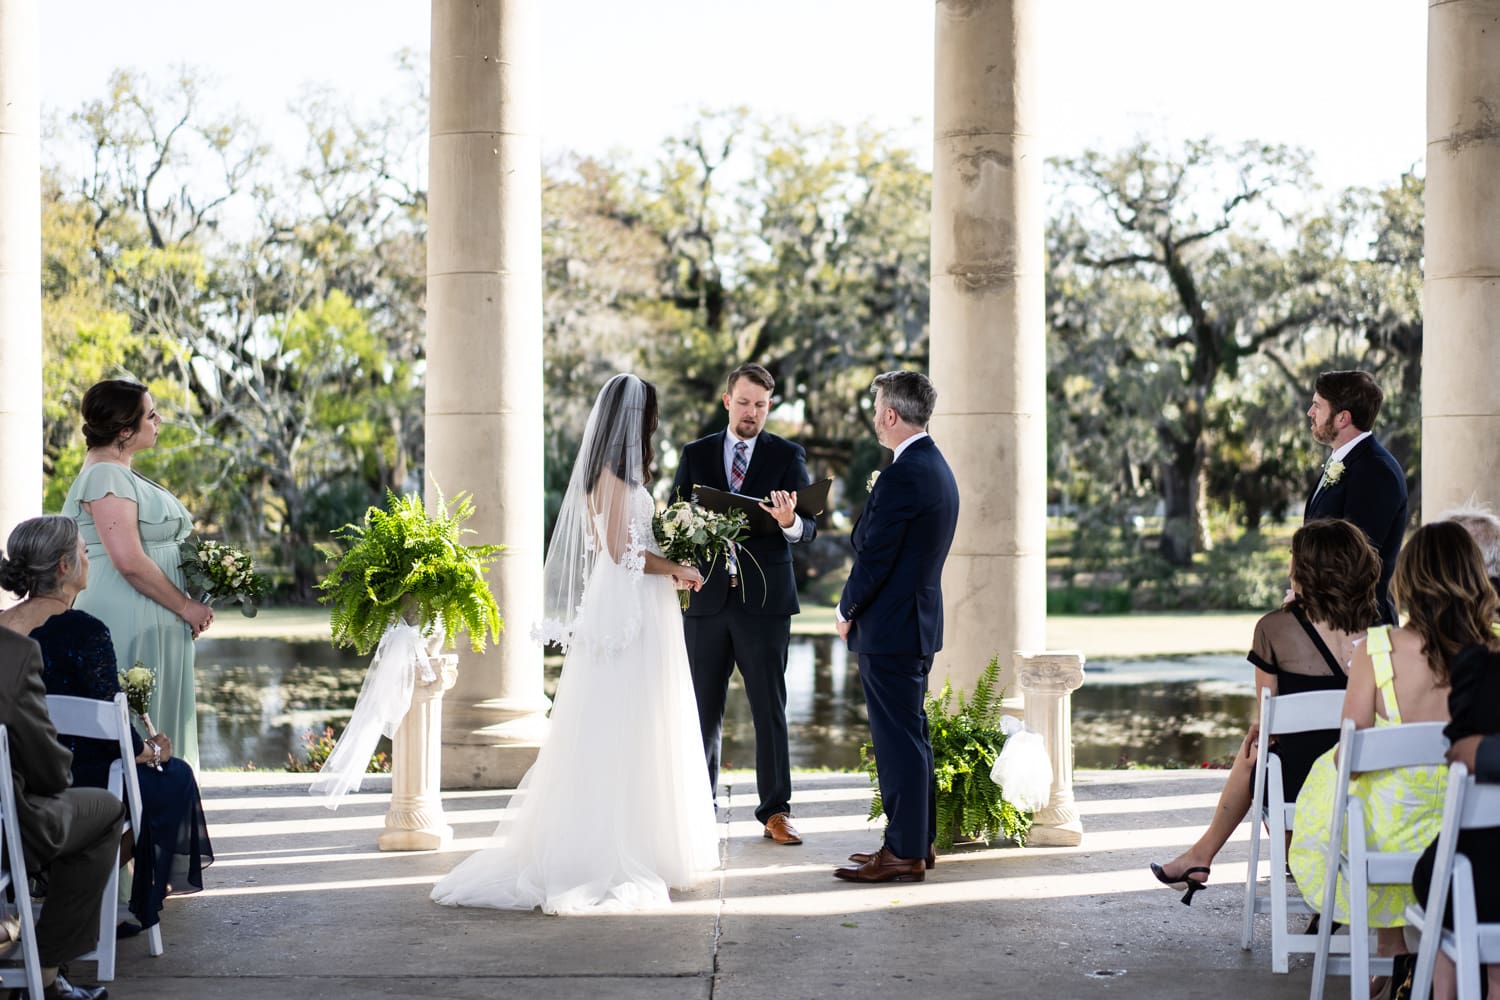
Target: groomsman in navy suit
x=1362 y=483
x=891 y=614
x=746 y=619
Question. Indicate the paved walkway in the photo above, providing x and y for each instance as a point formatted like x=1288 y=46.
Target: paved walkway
x=301 y=904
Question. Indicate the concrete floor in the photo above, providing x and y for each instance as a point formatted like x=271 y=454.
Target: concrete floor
x=301 y=905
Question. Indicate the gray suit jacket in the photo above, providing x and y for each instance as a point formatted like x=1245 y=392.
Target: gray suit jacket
x=40 y=765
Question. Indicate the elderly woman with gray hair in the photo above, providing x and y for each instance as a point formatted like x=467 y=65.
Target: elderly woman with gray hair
x=47 y=565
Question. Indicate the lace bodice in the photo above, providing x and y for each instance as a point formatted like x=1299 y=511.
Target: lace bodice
x=627 y=536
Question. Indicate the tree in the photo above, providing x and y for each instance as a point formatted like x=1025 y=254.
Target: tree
x=1210 y=279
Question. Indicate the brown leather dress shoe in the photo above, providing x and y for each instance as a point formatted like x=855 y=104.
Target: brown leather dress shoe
x=779 y=828
x=860 y=857
x=885 y=867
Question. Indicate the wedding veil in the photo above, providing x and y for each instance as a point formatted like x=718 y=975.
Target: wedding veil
x=596 y=516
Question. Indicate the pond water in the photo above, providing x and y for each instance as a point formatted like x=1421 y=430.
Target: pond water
x=258 y=698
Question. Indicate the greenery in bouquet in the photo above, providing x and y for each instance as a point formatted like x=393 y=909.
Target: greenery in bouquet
x=405 y=563
x=220 y=573
x=965 y=743
x=688 y=533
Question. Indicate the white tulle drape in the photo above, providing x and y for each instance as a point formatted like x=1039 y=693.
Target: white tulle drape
x=400 y=659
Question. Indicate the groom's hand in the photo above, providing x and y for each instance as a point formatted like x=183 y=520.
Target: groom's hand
x=783 y=507
x=844 y=628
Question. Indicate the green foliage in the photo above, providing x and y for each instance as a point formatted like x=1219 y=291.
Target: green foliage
x=404 y=562
x=965 y=743
x=315 y=751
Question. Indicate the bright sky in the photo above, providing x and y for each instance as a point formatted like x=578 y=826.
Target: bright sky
x=1345 y=80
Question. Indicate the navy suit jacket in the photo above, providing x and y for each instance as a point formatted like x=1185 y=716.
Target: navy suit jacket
x=775 y=464
x=1371 y=494
x=894 y=597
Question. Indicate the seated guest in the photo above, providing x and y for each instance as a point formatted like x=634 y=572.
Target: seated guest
x=1484 y=527
x=1301 y=647
x=1474 y=703
x=48 y=565
x=71 y=834
x=1399 y=675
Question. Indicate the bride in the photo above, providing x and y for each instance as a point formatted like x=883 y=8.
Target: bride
x=616 y=808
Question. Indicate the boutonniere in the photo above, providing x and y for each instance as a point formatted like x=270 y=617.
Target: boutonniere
x=1333 y=472
x=870 y=483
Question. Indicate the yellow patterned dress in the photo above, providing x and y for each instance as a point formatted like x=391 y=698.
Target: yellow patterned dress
x=1403 y=811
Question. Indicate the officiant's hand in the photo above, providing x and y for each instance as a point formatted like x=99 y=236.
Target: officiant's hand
x=687 y=578
x=783 y=507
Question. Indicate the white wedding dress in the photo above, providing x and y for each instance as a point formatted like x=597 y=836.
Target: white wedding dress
x=616 y=808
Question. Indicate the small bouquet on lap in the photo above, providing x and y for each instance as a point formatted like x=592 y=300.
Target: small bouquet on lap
x=138 y=682
x=687 y=533
x=222 y=573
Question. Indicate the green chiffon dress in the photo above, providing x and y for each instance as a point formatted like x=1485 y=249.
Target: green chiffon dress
x=140 y=628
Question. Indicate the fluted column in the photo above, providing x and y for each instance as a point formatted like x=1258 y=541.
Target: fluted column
x=415 y=821
x=484 y=359
x=20 y=265
x=988 y=337
x=1461 y=287
x=1048 y=681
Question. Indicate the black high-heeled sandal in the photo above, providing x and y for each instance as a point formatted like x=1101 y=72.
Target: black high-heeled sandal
x=1182 y=881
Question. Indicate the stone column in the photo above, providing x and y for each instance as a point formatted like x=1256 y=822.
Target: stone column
x=1048 y=681
x=20 y=265
x=415 y=821
x=484 y=359
x=988 y=337
x=1461 y=288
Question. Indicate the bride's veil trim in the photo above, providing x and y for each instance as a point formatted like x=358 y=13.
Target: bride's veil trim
x=598 y=510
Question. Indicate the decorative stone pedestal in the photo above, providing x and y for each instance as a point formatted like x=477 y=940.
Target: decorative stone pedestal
x=414 y=821
x=1048 y=681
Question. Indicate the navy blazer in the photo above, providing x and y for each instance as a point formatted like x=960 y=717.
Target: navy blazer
x=1371 y=495
x=894 y=596
x=775 y=464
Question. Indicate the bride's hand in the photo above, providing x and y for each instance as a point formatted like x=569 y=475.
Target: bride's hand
x=687 y=578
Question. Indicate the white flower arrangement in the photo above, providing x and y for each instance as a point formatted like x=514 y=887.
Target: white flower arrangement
x=222 y=573
x=1333 y=472
x=870 y=483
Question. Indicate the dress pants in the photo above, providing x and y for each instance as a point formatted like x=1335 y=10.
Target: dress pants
x=69 y=924
x=896 y=698
x=757 y=644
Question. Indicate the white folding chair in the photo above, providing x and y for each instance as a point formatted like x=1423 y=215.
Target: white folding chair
x=1383 y=748
x=1281 y=714
x=107 y=720
x=1469 y=806
x=13 y=877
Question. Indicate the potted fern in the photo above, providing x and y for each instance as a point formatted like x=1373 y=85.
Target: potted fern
x=405 y=564
x=965 y=743
x=404 y=586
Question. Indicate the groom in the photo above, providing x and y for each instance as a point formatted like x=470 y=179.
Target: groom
x=891 y=614
x=746 y=619
x=1362 y=483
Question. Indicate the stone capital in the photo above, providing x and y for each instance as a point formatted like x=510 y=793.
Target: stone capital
x=1054 y=672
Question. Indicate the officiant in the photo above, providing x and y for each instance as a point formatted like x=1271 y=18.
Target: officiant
x=742 y=616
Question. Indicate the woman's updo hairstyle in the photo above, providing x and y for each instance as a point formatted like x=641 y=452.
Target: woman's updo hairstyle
x=111 y=408
x=36 y=549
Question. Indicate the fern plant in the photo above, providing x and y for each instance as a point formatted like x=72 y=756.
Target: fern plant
x=965 y=743
x=403 y=562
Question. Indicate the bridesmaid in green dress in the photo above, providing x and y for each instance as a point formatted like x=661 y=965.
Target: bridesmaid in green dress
x=133 y=527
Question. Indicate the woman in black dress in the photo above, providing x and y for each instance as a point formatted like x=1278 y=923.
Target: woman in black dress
x=47 y=565
x=1474 y=704
x=1303 y=646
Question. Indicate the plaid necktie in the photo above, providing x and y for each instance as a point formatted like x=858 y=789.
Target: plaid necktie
x=737 y=471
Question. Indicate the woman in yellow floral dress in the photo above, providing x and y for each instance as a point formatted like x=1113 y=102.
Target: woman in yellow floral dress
x=1399 y=675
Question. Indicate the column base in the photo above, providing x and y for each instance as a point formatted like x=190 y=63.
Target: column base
x=473 y=765
x=425 y=838
x=1067 y=834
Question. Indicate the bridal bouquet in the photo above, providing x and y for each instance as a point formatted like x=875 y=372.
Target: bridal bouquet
x=222 y=573
x=138 y=682
x=687 y=533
